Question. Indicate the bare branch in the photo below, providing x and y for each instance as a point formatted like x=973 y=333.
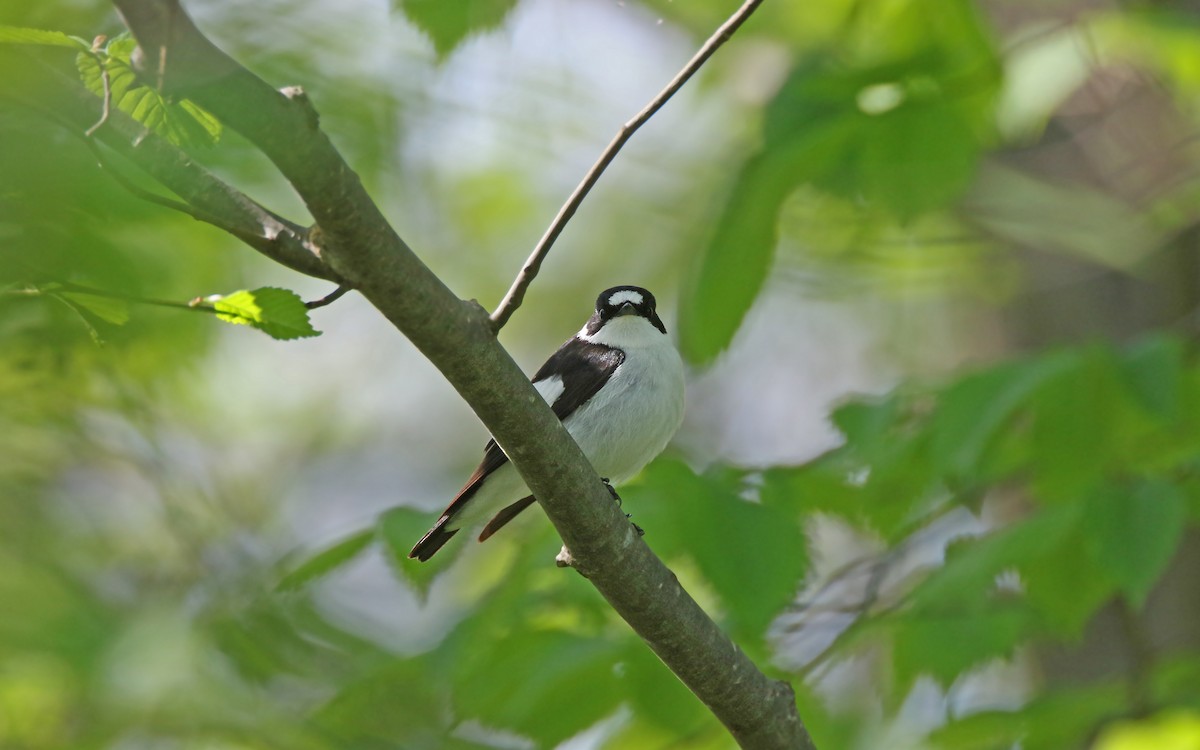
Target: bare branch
x=516 y=293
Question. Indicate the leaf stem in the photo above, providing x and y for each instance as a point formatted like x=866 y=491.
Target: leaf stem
x=198 y=303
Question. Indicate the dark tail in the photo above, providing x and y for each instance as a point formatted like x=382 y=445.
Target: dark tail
x=505 y=516
x=432 y=541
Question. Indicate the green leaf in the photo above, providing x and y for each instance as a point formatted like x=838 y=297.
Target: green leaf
x=545 y=684
x=948 y=645
x=972 y=411
x=1153 y=370
x=733 y=266
x=82 y=317
x=822 y=129
x=1073 y=433
x=823 y=485
x=909 y=172
x=868 y=423
x=1135 y=532
x=22 y=35
x=704 y=518
x=280 y=313
x=327 y=560
x=887 y=439
x=448 y=22
x=375 y=709
x=1067 y=717
x=400 y=528
x=883 y=116
x=986 y=730
x=1063 y=582
x=109 y=309
x=183 y=123
x=967 y=578
x=1051 y=721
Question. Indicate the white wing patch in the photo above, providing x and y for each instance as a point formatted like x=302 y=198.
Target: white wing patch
x=626 y=295
x=550 y=388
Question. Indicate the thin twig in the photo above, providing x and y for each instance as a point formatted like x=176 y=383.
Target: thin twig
x=198 y=304
x=107 y=83
x=328 y=298
x=516 y=293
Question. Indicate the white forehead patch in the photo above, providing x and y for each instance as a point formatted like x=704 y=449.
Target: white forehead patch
x=626 y=295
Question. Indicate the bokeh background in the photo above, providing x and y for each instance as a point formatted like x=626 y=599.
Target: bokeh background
x=854 y=196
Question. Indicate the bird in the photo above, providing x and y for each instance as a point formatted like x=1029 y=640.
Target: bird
x=618 y=387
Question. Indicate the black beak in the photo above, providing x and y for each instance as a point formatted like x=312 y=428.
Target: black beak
x=626 y=308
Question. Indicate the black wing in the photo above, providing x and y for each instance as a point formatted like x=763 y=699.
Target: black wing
x=584 y=368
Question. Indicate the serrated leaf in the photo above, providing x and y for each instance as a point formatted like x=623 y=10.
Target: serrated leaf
x=23 y=35
x=327 y=560
x=1135 y=532
x=183 y=123
x=400 y=528
x=280 y=313
x=109 y=309
x=448 y=22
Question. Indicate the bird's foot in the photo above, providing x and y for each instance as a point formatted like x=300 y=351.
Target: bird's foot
x=640 y=531
x=611 y=490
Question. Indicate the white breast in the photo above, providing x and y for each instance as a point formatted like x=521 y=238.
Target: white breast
x=637 y=412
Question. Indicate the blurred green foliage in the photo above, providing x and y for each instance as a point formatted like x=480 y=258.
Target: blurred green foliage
x=448 y=24
x=183 y=123
x=150 y=599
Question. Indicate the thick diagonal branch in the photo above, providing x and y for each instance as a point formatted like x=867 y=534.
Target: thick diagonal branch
x=458 y=338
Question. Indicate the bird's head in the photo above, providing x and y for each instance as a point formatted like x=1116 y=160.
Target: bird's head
x=623 y=314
